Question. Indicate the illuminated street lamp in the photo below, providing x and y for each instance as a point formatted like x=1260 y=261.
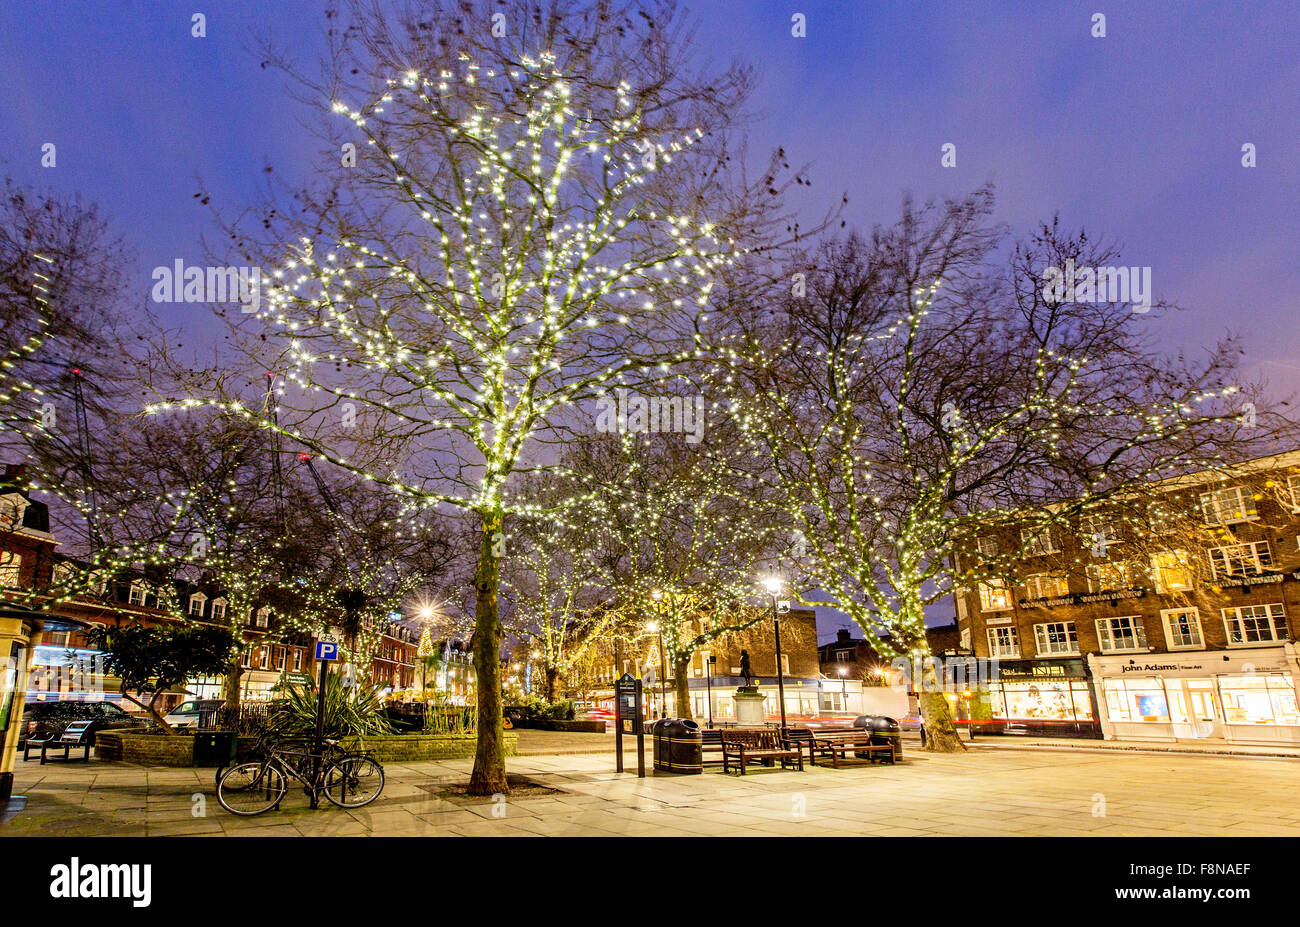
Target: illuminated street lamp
x=653 y=628
x=773 y=585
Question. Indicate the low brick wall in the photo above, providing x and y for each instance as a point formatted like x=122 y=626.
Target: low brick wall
x=413 y=748
x=145 y=749
x=158 y=750
x=573 y=727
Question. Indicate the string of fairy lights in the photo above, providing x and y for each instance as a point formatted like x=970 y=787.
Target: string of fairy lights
x=885 y=554
x=493 y=357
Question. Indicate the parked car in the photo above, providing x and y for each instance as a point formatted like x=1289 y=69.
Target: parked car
x=42 y=719
x=186 y=714
x=596 y=714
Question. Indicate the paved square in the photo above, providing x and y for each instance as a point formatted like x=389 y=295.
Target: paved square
x=989 y=791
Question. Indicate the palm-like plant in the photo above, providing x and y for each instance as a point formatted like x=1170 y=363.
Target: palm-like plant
x=350 y=711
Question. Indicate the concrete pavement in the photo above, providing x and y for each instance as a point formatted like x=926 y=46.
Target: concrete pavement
x=1010 y=792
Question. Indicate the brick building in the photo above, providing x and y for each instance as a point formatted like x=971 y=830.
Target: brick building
x=804 y=692
x=1151 y=633
x=63 y=667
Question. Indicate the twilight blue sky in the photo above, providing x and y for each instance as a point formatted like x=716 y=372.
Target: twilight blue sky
x=1136 y=136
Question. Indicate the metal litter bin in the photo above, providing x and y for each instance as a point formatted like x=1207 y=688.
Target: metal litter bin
x=215 y=748
x=678 y=746
x=885 y=731
x=685 y=745
x=659 y=743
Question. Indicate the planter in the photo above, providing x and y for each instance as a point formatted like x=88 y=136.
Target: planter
x=178 y=750
x=415 y=748
x=145 y=749
x=580 y=727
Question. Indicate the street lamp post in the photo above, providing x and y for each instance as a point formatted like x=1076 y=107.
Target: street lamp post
x=663 y=675
x=654 y=628
x=773 y=585
x=658 y=596
x=844 y=688
x=708 y=683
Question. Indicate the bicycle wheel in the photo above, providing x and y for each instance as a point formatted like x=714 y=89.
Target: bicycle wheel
x=251 y=788
x=353 y=781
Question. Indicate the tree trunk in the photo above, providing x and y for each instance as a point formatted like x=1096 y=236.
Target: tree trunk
x=552 y=674
x=230 y=684
x=151 y=707
x=489 y=776
x=940 y=733
x=681 y=684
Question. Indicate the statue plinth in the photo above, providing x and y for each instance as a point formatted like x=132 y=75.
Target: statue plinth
x=749 y=706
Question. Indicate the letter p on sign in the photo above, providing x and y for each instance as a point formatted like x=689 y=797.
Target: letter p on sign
x=327 y=650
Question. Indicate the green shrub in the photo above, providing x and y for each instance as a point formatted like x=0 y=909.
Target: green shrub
x=536 y=708
x=350 y=711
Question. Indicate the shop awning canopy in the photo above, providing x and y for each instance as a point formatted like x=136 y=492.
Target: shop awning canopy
x=49 y=621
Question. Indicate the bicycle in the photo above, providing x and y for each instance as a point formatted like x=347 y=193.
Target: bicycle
x=269 y=740
x=347 y=780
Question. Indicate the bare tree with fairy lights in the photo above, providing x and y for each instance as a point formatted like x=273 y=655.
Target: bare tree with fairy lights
x=517 y=218
x=910 y=392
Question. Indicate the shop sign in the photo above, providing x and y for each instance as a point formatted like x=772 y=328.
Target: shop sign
x=1083 y=598
x=1263 y=579
x=1201 y=664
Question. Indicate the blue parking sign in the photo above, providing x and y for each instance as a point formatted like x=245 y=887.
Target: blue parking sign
x=327 y=650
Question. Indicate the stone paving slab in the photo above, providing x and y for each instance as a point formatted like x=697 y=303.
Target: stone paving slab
x=984 y=792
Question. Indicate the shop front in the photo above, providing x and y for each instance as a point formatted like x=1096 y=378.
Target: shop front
x=1046 y=698
x=1244 y=695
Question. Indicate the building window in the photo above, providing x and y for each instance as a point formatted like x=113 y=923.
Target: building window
x=13 y=508
x=1240 y=559
x=1035 y=542
x=1254 y=624
x=218 y=609
x=1106 y=577
x=263 y=615
x=11 y=568
x=988 y=547
x=196 y=604
x=1265 y=698
x=136 y=595
x=297 y=659
x=1293 y=487
x=1227 y=506
x=1171 y=571
x=1004 y=642
x=1046 y=586
x=965 y=638
x=1182 y=628
x=961 y=606
x=1100 y=531
x=1119 y=634
x=64 y=574
x=1056 y=638
x=994 y=595
x=1163 y=516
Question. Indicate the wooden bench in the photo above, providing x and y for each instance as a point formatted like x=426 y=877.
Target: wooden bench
x=77 y=734
x=804 y=738
x=744 y=747
x=837 y=744
x=711 y=747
